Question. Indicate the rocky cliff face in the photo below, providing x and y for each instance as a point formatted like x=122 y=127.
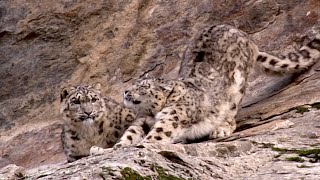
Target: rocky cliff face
x=48 y=45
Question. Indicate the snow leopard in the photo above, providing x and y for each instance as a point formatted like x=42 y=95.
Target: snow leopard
x=204 y=100
x=91 y=119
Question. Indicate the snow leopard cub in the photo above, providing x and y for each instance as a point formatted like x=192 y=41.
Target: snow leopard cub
x=212 y=80
x=91 y=120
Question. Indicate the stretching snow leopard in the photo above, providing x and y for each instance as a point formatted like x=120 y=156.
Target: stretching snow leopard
x=91 y=120
x=212 y=80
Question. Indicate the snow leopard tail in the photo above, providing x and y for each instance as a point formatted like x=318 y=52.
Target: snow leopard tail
x=293 y=62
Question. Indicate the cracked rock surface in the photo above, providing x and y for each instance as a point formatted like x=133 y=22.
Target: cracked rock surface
x=281 y=153
x=49 y=45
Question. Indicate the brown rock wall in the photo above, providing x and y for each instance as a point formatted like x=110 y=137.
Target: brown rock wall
x=45 y=46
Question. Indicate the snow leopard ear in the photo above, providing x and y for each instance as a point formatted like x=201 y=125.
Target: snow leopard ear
x=167 y=88
x=137 y=81
x=141 y=79
x=97 y=86
x=63 y=94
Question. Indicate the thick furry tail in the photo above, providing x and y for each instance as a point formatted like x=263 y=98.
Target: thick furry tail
x=293 y=62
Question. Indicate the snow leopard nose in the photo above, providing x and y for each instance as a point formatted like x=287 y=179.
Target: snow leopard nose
x=88 y=113
x=87 y=110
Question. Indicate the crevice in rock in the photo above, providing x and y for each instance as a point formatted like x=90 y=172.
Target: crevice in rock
x=145 y=73
x=173 y=157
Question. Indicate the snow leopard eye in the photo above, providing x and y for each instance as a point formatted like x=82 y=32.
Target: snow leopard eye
x=142 y=92
x=94 y=100
x=75 y=101
x=145 y=85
